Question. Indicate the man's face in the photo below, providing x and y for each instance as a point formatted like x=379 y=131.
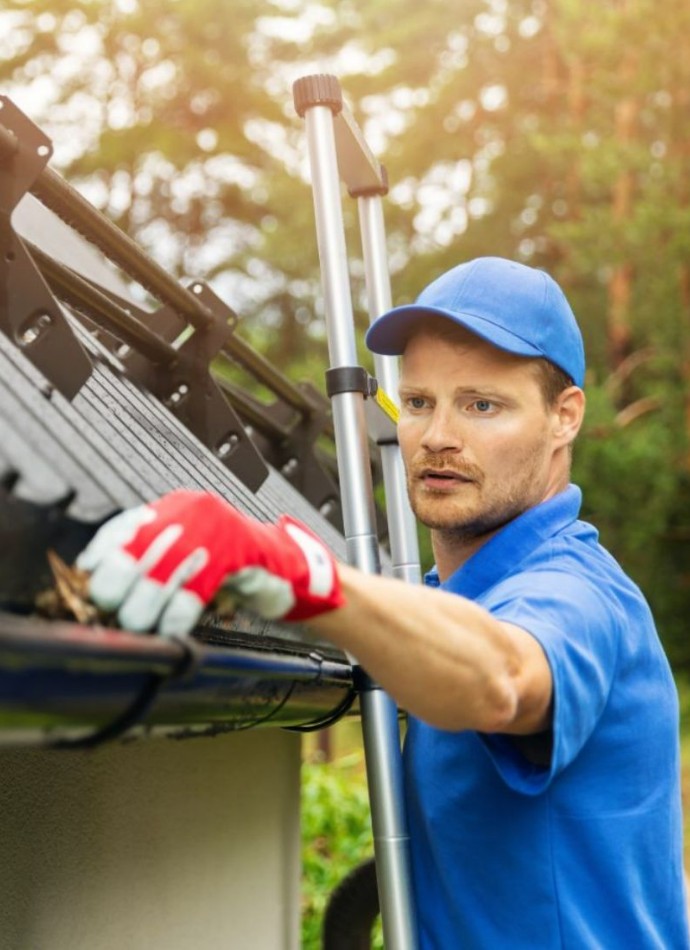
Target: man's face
x=475 y=434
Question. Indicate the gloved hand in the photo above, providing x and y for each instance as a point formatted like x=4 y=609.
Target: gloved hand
x=159 y=565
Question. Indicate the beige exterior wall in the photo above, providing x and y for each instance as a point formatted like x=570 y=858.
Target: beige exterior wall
x=188 y=845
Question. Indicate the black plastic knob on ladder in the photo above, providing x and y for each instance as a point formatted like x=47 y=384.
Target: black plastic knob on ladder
x=317 y=90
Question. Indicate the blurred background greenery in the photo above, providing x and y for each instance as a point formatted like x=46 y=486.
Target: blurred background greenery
x=555 y=132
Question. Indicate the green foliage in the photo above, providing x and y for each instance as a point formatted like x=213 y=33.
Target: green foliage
x=336 y=835
x=683 y=687
x=637 y=492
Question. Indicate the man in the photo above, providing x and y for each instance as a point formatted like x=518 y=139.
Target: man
x=541 y=757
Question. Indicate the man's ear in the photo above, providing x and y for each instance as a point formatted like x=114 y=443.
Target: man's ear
x=569 y=411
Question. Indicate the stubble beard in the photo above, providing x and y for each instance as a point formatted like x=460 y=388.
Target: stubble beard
x=471 y=520
x=471 y=524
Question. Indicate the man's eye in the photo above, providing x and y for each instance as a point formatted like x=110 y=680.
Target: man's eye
x=416 y=402
x=483 y=405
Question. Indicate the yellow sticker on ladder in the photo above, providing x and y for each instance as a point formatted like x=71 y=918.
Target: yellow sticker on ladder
x=386 y=403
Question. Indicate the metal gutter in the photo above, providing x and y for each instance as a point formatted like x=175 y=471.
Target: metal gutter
x=61 y=682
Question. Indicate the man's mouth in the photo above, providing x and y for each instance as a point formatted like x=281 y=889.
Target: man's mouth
x=443 y=478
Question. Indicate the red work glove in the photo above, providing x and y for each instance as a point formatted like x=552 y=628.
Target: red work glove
x=159 y=565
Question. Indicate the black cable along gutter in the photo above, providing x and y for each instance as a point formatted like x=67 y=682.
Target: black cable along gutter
x=86 y=685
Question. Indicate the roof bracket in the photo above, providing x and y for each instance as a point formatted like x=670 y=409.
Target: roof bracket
x=298 y=459
x=187 y=388
x=29 y=314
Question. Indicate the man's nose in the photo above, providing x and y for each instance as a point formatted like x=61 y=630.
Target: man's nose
x=442 y=433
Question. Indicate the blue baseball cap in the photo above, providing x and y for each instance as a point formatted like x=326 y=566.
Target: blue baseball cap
x=512 y=306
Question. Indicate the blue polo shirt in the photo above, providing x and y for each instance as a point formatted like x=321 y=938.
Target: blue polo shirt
x=580 y=844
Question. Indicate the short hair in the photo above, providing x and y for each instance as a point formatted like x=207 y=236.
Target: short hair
x=552 y=380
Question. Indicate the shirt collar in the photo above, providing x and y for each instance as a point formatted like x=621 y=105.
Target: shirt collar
x=509 y=546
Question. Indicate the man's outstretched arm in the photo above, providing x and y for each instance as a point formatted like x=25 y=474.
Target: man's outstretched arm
x=442 y=657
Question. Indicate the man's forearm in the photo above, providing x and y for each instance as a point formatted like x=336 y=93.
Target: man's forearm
x=442 y=657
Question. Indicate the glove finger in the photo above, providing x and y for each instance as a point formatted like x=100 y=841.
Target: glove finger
x=113 y=535
x=181 y=614
x=203 y=574
x=117 y=572
x=148 y=599
x=142 y=606
x=266 y=594
x=112 y=579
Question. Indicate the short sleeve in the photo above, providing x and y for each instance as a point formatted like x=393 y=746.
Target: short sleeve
x=579 y=631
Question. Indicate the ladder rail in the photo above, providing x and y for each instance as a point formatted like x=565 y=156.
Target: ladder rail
x=402 y=527
x=319 y=100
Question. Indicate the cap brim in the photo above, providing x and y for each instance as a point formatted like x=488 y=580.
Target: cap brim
x=389 y=333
